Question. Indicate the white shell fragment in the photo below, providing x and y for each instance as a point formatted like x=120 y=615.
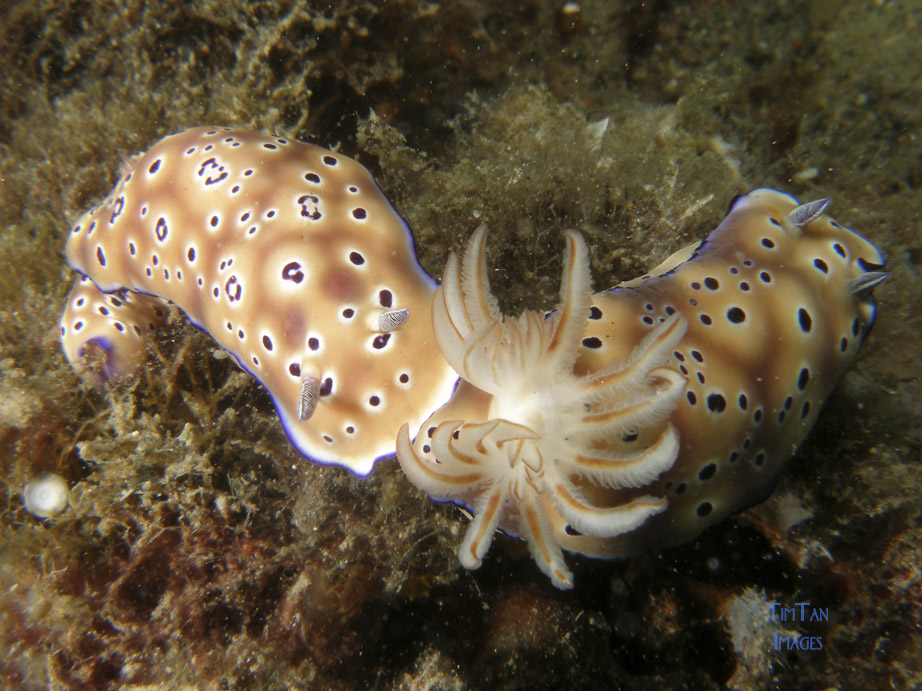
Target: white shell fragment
x=45 y=496
x=286 y=254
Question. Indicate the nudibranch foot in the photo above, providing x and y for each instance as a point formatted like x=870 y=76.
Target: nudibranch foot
x=530 y=436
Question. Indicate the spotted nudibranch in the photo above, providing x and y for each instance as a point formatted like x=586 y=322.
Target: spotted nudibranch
x=291 y=258
x=634 y=418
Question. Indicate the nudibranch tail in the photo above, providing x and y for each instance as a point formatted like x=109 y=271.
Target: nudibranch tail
x=104 y=335
x=525 y=432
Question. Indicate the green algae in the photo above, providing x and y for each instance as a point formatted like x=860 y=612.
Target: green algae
x=200 y=549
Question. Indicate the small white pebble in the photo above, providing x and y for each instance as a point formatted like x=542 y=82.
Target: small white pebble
x=45 y=496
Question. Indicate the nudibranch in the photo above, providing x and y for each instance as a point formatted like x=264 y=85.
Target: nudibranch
x=291 y=258
x=777 y=300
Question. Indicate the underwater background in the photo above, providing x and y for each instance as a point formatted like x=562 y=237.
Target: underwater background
x=200 y=551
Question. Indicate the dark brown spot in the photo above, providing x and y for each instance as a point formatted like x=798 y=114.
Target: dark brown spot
x=330 y=161
x=707 y=472
x=704 y=509
x=380 y=341
x=821 y=265
x=356 y=258
x=803 y=379
x=705 y=319
x=292 y=272
x=692 y=398
x=154 y=167
x=716 y=403
x=312 y=177
x=806 y=321
x=592 y=342
x=736 y=315
x=404 y=378
x=313 y=343
x=385 y=298
x=595 y=312
x=233 y=289
x=359 y=214
x=711 y=283
x=374 y=400
x=743 y=401
x=267 y=343
x=768 y=243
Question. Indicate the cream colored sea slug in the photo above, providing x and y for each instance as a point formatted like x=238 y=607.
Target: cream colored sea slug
x=634 y=418
x=291 y=258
